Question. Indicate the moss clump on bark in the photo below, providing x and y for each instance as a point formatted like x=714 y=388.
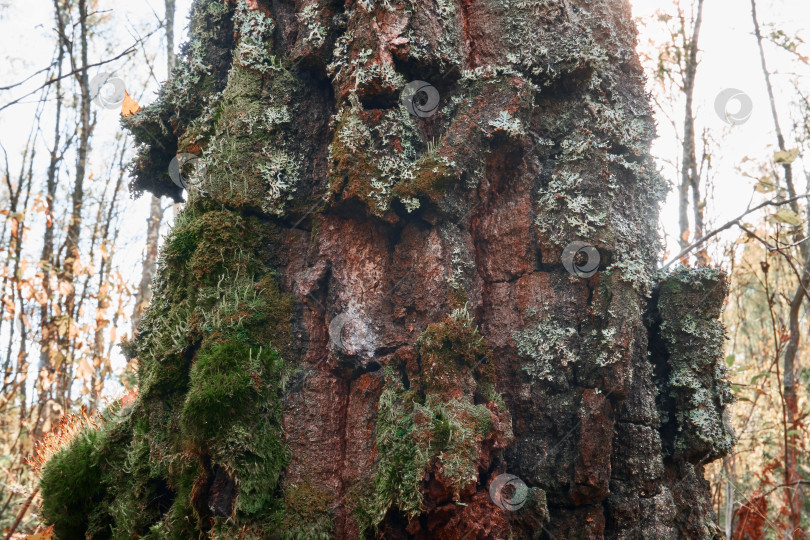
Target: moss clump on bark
x=100 y=479
x=420 y=438
x=306 y=513
x=452 y=349
x=70 y=487
x=189 y=91
x=248 y=162
x=378 y=156
x=433 y=432
x=202 y=447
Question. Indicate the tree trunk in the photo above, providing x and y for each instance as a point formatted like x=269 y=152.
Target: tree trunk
x=375 y=306
x=792 y=362
x=690 y=173
x=144 y=294
x=69 y=252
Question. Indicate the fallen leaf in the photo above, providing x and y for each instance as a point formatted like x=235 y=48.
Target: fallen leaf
x=84 y=371
x=45 y=534
x=65 y=288
x=129 y=398
x=129 y=106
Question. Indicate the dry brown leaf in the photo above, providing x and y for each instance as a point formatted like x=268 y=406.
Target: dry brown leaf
x=45 y=534
x=129 y=106
x=788 y=216
x=786 y=157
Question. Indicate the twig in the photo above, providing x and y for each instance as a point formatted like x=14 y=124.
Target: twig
x=728 y=225
x=21 y=513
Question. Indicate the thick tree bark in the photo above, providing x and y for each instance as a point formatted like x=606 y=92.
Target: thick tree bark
x=371 y=307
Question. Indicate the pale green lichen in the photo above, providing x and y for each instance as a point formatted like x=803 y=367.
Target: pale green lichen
x=315 y=33
x=281 y=175
x=549 y=344
x=248 y=156
x=504 y=122
x=377 y=162
x=255 y=39
x=275 y=116
x=695 y=389
x=341 y=62
x=548 y=56
x=440 y=46
x=634 y=271
x=458 y=266
x=377 y=71
x=411 y=203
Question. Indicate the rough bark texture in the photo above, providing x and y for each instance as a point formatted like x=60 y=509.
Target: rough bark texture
x=362 y=316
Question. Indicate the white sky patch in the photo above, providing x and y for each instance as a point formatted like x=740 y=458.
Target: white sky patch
x=730 y=58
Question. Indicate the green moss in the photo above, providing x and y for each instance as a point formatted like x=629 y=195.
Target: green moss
x=376 y=157
x=211 y=369
x=180 y=245
x=189 y=93
x=249 y=158
x=402 y=463
x=306 y=513
x=415 y=440
x=430 y=177
x=101 y=478
x=221 y=388
x=433 y=428
x=448 y=347
x=455 y=430
x=70 y=488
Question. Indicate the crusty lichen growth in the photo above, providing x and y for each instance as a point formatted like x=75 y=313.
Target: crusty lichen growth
x=255 y=44
x=377 y=156
x=550 y=345
x=187 y=95
x=598 y=183
x=249 y=162
x=693 y=387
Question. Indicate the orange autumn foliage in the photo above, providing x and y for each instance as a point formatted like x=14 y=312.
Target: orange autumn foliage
x=129 y=106
x=750 y=518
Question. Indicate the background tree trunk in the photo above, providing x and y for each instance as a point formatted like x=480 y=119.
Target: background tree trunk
x=144 y=294
x=374 y=305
